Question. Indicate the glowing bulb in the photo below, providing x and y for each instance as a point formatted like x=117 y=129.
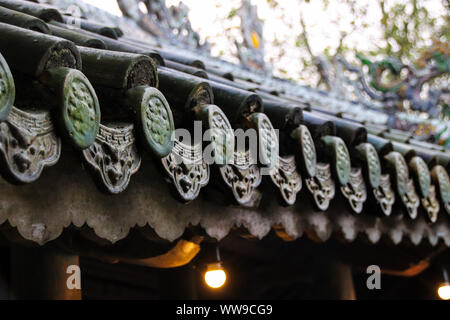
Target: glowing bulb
x=215 y=276
x=444 y=292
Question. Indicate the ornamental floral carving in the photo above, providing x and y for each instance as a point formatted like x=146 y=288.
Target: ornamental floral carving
x=243 y=177
x=267 y=140
x=28 y=143
x=380 y=184
x=285 y=176
x=7 y=89
x=420 y=169
x=350 y=179
x=355 y=190
x=370 y=157
x=431 y=204
x=113 y=157
x=440 y=179
x=154 y=119
x=221 y=133
x=321 y=186
x=80 y=108
x=283 y=171
x=341 y=157
x=385 y=195
x=307 y=149
x=186 y=169
x=157 y=122
x=318 y=175
x=410 y=199
x=427 y=191
x=404 y=185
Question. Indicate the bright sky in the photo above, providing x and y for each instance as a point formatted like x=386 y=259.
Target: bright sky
x=209 y=19
x=316 y=18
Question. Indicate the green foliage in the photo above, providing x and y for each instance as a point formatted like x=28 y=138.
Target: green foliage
x=272 y=3
x=232 y=13
x=407 y=28
x=442 y=62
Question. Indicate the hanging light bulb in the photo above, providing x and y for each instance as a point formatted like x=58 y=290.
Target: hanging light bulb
x=444 y=289
x=215 y=275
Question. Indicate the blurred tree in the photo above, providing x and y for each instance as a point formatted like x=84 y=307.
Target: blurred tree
x=405 y=29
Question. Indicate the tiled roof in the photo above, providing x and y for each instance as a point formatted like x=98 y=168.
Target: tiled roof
x=96 y=100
